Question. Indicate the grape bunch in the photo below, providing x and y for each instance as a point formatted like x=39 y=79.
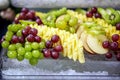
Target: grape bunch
x=27 y=14
x=113 y=46
x=93 y=12
x=24 y=43
x=52 y=50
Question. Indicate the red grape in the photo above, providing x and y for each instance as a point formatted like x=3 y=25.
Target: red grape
x=97 y=15
x=108 y=55
x=58 y=48
x=38 y=21
x=16 y=20
x=15 y=39
x=37 y=39
x=25 y=10
x=22 y=16
x=89 y=14
x=113 y=45
x=24 y=32
x=106 y=44
x=118 y=56
x=27 y=28
x=36 y=17
x=30 y=38
x=48 y=44
x=21 y=39
x=47 y=53
x=55 y=55
x=32 y=12
x=94 y=10
x=55 y=38
x=118 y=26
x=30 y=15
x=115 y=37
x=33 y=31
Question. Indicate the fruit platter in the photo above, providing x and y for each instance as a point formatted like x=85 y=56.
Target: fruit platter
x=63 y=39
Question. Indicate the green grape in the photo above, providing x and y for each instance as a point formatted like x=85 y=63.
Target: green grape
x=61 y=12
x=33 y=61
x=21 y=50
x=28 y=55
x=42 y=45
x=50 y=17
x=19 y=33
x=73 y=21
x=12 y=54
x=67 y=18
x=12 y=47
x=28 y=47
x=27 y=43
x=16 y=28
x=36 y=53
x=20 y=57
x=10 y=28
x=26 y=22
x=35 y=45
x=52 y=24
x=8 y=35
x=41 y=55
x=72 y=30
x=5 y=44
x=18 y=45
x=61 y=24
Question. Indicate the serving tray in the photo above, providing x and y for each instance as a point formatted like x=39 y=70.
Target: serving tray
x=95 y=67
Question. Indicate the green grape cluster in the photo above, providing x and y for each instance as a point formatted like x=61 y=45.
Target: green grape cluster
x=31 y=51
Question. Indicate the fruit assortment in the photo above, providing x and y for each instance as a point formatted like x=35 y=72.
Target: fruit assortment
x=37 y=35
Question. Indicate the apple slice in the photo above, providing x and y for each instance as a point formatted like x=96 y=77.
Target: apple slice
x=85 y=45
x=95 y=43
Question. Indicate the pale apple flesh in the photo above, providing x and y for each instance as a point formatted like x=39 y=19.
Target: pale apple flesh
x=85 y=45
x=95 y=44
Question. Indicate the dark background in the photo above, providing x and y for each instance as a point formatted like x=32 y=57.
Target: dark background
x=3 y=27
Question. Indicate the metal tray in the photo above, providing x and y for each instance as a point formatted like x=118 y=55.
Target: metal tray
x=95 y=67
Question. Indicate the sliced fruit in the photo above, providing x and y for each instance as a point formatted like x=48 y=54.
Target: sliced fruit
x=85 y=45
x=95 y=44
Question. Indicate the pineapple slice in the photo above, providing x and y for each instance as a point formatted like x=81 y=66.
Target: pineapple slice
x=73 y=47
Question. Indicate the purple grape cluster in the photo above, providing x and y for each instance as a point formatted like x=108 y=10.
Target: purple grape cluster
x=113 y=46
x=93 y=12
x=51 y=51
x=27 y=14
